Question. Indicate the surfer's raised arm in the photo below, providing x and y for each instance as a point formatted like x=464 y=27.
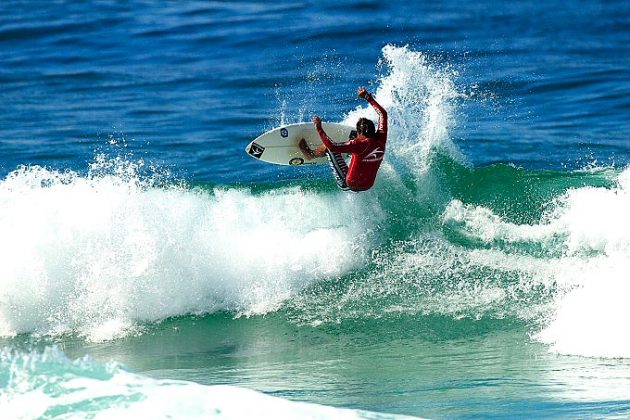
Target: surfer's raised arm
x=382 y=114
x=347 y=147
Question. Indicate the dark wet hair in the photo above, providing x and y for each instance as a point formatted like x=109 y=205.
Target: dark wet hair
x=365 y=127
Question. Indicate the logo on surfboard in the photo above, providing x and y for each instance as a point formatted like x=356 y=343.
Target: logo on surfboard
x=256 y=150
x=284 y=132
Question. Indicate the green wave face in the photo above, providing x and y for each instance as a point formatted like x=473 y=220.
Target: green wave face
x=481 y=243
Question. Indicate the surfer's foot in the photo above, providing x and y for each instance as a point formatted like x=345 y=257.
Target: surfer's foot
x=308 y=153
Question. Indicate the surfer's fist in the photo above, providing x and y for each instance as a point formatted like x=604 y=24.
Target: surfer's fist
x=317 y=121
x=362 y=93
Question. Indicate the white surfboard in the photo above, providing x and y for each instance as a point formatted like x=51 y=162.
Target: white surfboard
x=280 y=145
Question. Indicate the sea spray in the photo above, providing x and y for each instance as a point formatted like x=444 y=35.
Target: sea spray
x=420 y=99
x=96 y=254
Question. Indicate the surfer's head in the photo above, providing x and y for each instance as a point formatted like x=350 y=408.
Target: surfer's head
x=365 y=127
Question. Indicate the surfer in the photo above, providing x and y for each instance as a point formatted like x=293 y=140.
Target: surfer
x=367 y=149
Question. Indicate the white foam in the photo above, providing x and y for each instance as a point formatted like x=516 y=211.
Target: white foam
x=589 y=232
x=39 y=384
x=480 y=223
x=592 y=319
x=96 y=254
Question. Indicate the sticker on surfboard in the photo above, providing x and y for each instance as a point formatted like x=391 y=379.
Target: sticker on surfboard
x=256 y=150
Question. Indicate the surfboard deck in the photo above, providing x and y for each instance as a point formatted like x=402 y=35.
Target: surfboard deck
x=280 y=145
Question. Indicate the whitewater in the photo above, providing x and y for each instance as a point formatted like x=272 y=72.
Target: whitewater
x=103 y=253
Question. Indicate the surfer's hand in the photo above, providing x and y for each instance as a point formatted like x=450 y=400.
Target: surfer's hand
x=362 y=93
x=317 y=121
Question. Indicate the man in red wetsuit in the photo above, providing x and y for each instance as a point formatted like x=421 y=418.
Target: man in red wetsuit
x=367 y=149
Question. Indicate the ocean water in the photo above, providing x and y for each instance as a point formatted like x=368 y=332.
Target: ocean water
x=149 y=268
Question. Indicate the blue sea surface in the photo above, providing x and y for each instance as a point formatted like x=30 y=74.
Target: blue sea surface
x=188 y=84
x=484 y=275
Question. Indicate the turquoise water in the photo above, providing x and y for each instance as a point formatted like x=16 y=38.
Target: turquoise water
x=150 y=268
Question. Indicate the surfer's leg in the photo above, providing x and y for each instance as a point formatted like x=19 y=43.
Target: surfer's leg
x=339 y=168
x=337 y=162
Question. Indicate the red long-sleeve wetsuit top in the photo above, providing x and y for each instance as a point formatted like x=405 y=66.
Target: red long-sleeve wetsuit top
x=367 y=152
